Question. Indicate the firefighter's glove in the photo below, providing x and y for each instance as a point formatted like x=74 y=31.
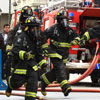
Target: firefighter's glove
x=82 y=41
x=43 y=63
x=9 y=54
x=29 y=55
x=74 y=42
x=45 y=52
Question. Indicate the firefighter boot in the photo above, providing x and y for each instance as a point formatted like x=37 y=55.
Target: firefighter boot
x=43 y=86
x=67 y=90
x=8 y=91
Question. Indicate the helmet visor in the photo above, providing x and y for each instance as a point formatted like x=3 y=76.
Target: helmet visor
x=64 y=22
x=29 y=12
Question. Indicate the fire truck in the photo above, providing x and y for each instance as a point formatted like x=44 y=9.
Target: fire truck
x=81 y=17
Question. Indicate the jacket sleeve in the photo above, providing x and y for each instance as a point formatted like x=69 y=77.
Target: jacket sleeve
x=73 y=34
x=18 y=48
x=46 y=35
x=94 y=32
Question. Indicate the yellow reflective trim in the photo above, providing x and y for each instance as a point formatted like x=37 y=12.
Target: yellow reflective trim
x=58 y=13
x=77 y=38
x=65 y=45
x=61 y=44
x=22 y=11
x=53 y=55
x=35 y=68
x=65 y=60
x=8 y=47
x=20 y=71
x=9 y=82
x=87 y=35
x=9 y=53
x=12 y=69
x=26 y=21
x=31 y=94
x=29 y=21
x=63 y=83
x=45 y=79
x=21 y=54
x=42 y=62
x=45 y=45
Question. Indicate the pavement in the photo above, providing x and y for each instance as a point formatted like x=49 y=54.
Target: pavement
x=59 y=95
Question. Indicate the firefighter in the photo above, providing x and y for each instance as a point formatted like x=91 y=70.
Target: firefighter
x=25 y=50
x=25 y=12
x=91 y=33
x=60 y=35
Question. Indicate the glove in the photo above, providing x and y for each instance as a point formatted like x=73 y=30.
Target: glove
x=74 y=42
x=29 y=55
x=82 y=41
x=45 y=52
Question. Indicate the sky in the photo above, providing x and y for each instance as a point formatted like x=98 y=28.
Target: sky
x=4 y=5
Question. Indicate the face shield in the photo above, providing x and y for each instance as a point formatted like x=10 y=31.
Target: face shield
x=64 y=22
x=29 y=12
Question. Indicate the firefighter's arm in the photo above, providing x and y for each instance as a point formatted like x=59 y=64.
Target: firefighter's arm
x=44 y=44
x=8 y=50
x=81 y=41
x=75 y=41
x=23 y=55
x=40 y=58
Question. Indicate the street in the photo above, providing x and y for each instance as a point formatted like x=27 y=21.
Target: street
x=60 y=96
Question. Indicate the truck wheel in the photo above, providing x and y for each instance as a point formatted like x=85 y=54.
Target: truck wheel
x=95 y=76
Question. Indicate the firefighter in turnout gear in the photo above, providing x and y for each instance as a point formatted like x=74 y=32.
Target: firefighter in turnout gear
x=25 y=50
x=91 y=33
x=60 y=35
x=25 y=12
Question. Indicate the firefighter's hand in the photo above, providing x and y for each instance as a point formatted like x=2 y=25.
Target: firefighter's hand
x=45 y=52
x=82 y=43
x=28 y=55
x=74 y=42
x=9 y=54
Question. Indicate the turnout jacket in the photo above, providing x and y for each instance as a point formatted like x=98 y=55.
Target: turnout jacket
x=26 y=44
x=60 y=39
